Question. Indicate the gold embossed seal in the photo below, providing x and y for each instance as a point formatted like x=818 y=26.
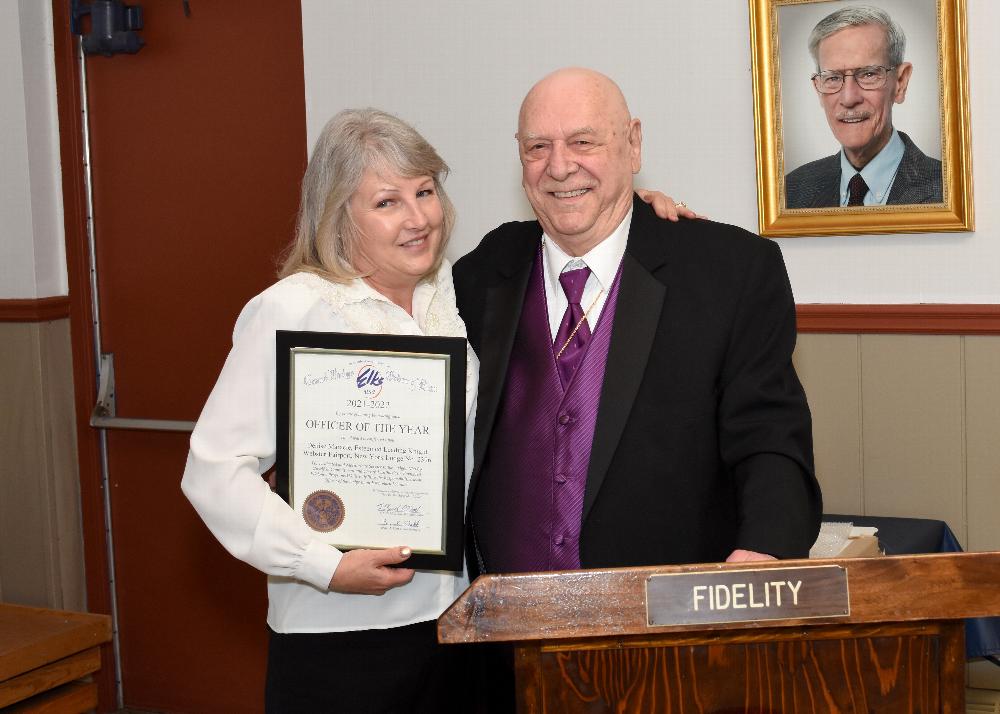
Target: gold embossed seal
x=323 y=511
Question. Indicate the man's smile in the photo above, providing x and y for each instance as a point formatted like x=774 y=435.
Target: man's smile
x=854 y=118
x=570 y=194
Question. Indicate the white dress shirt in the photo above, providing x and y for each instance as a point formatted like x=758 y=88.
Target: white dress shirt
x=603 y=261
x=233 y=444
x=879 y=173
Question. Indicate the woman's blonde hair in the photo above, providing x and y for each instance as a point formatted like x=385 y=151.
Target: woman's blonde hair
x=353 y=141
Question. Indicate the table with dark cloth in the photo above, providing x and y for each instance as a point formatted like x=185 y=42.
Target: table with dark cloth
x=910 y=536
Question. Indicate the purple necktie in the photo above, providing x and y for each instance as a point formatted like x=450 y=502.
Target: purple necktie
x=569 y=350
x=856 y=188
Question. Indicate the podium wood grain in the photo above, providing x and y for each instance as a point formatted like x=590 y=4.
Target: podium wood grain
x=583 y=644
x=591 y=603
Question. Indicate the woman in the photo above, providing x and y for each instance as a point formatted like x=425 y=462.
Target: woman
x=368 y=255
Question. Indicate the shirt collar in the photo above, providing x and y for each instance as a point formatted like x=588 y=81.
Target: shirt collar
x=603 y=259
x=358 y=291
x=877 y=173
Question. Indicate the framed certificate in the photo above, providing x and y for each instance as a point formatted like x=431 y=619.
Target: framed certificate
x=371 y=440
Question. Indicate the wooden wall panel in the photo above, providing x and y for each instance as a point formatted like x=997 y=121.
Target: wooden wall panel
x=830 y=369
x=59 y=432
x=24 y=517
x=912 y=422
x=982 y=398
x=921 y=413
x=34 y=309
x=982 y=390
x=41 y=560
x=900 y=319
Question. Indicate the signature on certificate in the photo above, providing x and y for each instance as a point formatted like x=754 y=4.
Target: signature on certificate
x=401 y=524
x=399 y=509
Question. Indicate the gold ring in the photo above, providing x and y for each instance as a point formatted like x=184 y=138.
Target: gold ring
x=680 y=204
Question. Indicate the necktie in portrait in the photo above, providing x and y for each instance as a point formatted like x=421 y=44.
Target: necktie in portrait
x=856 y=189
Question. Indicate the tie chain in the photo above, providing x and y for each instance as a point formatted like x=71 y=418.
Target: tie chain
x=578 y=325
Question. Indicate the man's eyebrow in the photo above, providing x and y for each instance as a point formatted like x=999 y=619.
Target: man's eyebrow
x=530 y=136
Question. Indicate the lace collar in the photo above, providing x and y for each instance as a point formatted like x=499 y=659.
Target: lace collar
x=433 y=301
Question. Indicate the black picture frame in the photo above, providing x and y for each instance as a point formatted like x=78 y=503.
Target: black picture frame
x=454 y=350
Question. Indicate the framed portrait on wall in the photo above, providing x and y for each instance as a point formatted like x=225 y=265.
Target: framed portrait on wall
x=861 y=114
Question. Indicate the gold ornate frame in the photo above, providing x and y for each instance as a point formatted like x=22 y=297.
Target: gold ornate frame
x=955 y=214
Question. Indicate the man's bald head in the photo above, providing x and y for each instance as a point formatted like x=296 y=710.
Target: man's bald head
x=572 y=84
x=579 y=147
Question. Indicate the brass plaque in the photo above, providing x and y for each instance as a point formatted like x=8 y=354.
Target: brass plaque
x=717 y=596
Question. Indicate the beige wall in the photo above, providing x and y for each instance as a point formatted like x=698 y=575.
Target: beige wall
x=909 y=425
x=41 y=540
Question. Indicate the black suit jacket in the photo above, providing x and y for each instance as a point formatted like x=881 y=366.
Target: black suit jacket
x=703 y=440
x=817 y=184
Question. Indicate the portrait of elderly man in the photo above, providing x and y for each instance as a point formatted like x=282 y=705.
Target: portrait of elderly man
x=860 y=74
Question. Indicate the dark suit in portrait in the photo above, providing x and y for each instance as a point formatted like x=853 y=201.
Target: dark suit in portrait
x=702 y=442
x=817 y=184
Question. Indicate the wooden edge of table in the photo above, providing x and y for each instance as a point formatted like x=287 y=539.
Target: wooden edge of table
x=72 y=697
x=612 y=602
x=31 y=637
x=49 y=676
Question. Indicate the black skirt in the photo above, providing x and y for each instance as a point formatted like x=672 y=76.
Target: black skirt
x=400 y=669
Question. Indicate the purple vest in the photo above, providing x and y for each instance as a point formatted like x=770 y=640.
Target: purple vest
x=529 y=502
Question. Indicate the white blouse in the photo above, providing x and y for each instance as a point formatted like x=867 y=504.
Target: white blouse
x=233 y=444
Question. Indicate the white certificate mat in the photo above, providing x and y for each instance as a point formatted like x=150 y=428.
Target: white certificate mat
x=370 y=452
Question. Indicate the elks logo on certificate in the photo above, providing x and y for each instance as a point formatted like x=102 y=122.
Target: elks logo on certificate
x=371 y=432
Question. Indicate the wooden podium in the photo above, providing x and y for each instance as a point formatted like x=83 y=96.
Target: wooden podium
x=583 y=640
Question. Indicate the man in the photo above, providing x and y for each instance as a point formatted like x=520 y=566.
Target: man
x=642 y=409
x=860 y=74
